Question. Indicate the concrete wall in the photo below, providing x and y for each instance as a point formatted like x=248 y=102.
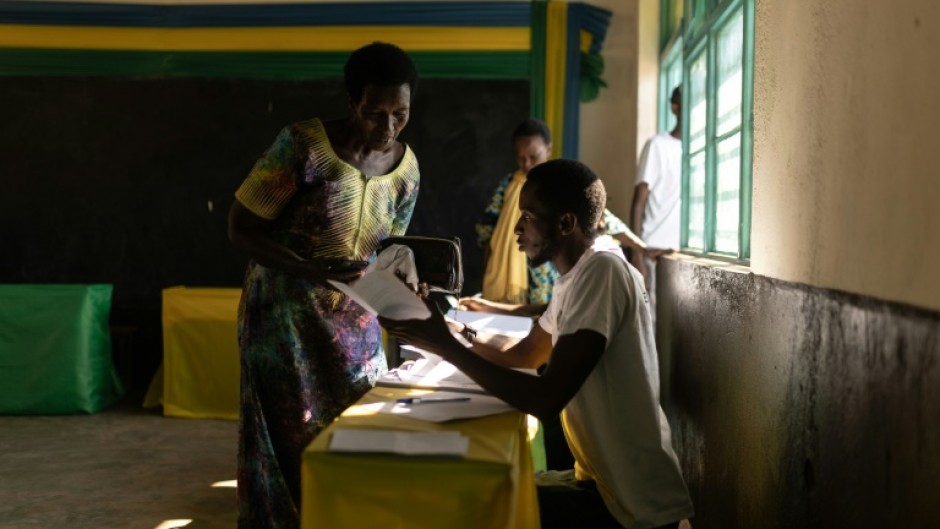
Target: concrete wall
x=615 y=126
x=608 y=142
x=846 y=157
x=798 y=407
x=805 y=391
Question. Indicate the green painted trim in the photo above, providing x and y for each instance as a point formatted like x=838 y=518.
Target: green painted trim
x=666 y=31
x=251 y=65
x=703 y=20
x=689 y=58
x=686 y=154
x=711 y=147
x=747 y=134
x=670 y=55
x=722 y=137
x=537 y=60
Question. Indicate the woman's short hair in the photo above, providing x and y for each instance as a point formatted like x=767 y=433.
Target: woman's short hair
x=569 y=186
x=379 y=64
x=532 y=127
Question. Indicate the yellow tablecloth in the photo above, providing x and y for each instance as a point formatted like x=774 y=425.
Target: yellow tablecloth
x=200 y=371
x=492 y=488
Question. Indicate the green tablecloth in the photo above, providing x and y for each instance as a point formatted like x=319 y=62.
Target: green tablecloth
x=55 y=349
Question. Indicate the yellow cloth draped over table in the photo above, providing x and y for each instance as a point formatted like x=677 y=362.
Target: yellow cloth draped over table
x=506 y=278
x=493 y=487
x=199 y=377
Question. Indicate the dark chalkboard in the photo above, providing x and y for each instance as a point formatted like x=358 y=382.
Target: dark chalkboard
x=128 y=181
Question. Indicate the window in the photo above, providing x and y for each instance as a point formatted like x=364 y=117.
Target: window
x=670 y=70
x=714 y=46
x=670 y=76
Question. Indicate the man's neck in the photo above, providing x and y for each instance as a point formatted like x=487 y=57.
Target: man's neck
x=572 y=248
x=677 y=132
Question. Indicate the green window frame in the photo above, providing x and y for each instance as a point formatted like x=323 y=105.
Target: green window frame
x=715 y=46
x=670 y=76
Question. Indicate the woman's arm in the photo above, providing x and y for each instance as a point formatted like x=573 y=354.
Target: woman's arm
x=249 y=233
x=493 y=307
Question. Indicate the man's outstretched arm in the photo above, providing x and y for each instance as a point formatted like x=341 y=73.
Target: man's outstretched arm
x=570 y=362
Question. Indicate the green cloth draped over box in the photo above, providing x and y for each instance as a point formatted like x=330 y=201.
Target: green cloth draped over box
x=55 y=349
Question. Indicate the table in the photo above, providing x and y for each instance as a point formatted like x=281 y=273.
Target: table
x=199 y=377
x=492 y=488
x=55 y=349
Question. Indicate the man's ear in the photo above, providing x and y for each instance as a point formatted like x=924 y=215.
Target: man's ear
x=567 y=223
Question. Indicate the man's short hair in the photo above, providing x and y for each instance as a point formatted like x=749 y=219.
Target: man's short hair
x=532 y=127
x=569 y=186
x=379 y=64
x=676 y=98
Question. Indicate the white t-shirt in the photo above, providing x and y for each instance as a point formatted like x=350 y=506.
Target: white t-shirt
x=615 y=426
x=660 y=168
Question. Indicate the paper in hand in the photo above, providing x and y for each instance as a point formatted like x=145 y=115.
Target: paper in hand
x=381 y=292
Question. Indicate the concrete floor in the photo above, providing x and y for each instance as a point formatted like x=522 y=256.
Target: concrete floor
x=124 y=467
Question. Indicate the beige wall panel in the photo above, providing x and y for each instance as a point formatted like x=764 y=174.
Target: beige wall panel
x=846 y=149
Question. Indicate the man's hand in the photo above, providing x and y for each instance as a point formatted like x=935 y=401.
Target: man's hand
x=421 y=289
x=431 y=334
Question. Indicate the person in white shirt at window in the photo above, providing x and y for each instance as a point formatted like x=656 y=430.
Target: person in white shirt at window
x=656 y=212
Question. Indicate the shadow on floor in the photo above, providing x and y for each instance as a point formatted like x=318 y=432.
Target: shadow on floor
x=125 y=467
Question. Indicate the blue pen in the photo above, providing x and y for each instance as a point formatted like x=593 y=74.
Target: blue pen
x=426 y=400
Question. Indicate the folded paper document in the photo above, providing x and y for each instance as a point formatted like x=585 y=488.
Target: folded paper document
x=381 y=292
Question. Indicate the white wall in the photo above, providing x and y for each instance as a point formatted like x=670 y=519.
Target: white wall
x=846 y=149
x=616 y=124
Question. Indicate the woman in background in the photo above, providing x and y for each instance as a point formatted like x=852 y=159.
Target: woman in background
x=314 y=208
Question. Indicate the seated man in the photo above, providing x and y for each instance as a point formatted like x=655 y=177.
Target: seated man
x=602 y=370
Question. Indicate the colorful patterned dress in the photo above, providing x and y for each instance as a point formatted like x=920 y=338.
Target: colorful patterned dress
x=541 y=278
x=307 y=352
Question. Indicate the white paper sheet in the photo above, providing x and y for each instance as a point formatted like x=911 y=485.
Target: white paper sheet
x=398 y=442
x=381 y=292
x=429 y=371
x=472 y=406
x=513 y=326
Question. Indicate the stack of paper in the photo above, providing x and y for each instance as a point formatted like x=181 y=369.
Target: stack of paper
x=442 y=406
x=429 y=371
x=449 y=443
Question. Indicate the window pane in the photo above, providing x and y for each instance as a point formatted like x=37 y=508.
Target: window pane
x=697 y=201
x=697 y=104
x=730 y=45
x=672 y=79
x=727 y=203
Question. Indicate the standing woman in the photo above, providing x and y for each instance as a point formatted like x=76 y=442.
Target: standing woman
x=314 y=207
